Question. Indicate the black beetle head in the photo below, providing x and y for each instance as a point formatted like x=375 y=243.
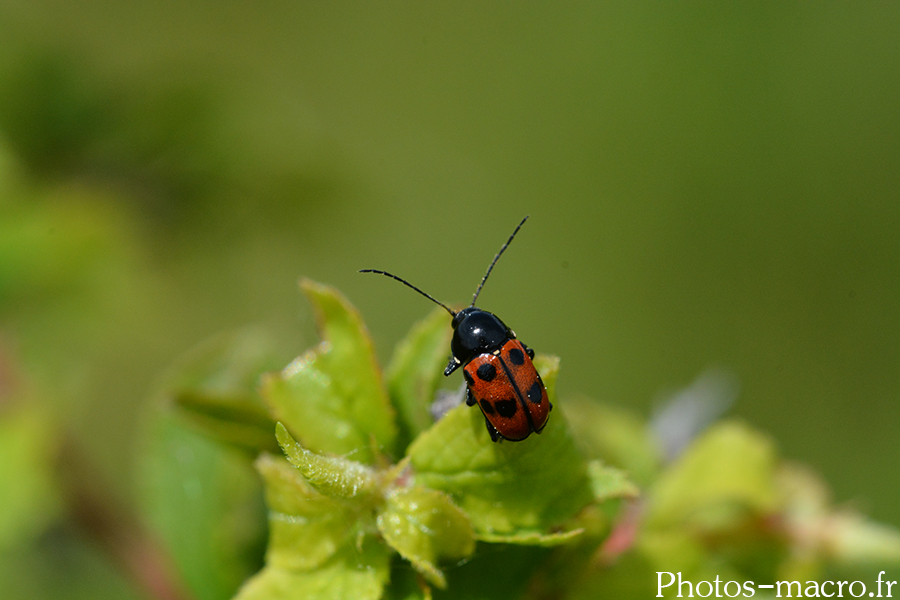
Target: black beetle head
x=475 y=332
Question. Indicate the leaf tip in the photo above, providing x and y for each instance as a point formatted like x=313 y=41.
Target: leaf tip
x=285 y=439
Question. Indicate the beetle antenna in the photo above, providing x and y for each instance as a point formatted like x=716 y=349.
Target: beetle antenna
x=496 y=258
x=408 y=284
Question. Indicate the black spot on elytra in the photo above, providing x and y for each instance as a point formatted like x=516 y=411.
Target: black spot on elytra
x=506 y=408
x=469 y=381
x=486 y=372
x=516 y=356
x=487 y=407
x=536 y=392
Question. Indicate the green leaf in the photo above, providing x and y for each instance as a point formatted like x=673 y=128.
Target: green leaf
x=216 y=388
x=306 y=528
x=333 y=476
x=843 y=535
x=506 y=488
x=333 y=397
x=424 y=526
x=614 y=435
x=854 y=539
x=29 y=499
x=355 y=572
x=205 y=503
x=237 y=420
x=532 y=538
x=727 y=471
x=416 y=370
x=318 y=520
x=610 y=483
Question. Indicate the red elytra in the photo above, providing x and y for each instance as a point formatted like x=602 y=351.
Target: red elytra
x=509 y=391
x=498 y=369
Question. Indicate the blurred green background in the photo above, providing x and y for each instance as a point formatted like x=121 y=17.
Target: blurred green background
x=709 y=185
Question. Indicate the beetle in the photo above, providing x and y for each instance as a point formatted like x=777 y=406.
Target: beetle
x=500 y=375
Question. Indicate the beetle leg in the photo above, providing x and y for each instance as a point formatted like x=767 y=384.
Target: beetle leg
x=495 y=435
x=451 y=366
x=529 y=352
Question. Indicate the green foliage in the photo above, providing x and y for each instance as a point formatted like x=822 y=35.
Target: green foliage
x=415 y=372
x=327 y=505
x=616 y=435
x=204 y=503
x=333 y=397
x=317 y=547
x=306 y=528
x=727 y=507
x=424 y=526
x=354 y=572
x=216 y=386
x=730 y=469
x=164 y=170
x=506 y=488
x=338 y=509
x=560 y=510
x=28 y=498
x=331 y=475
